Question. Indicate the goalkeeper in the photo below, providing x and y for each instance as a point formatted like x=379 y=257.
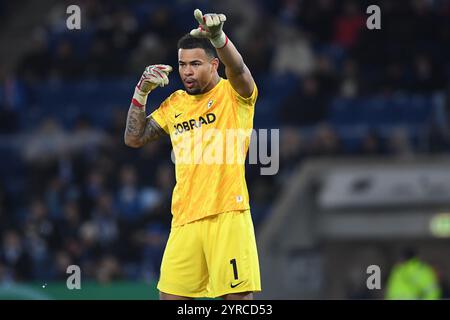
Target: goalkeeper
x=211 y=250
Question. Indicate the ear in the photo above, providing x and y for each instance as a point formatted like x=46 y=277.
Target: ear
x=215 y=63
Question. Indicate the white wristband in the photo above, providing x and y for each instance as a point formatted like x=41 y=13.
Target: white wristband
x=219 y=41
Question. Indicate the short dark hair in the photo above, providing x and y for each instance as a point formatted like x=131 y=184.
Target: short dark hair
x=189 y=42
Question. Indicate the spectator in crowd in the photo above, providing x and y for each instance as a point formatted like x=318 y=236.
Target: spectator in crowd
x=108 y=269
x=306 y=106
x=412 y=279
x=13 y=256
x=399 y=143
x=326 y=142
x=293 y=52
x=105 y=221
x=349 y=24
x=128 y=195
x=65 y=65
x=34 y=64
x=371 y=145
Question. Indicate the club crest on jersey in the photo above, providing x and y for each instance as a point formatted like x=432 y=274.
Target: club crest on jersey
x=194 y=123
x=210 y=102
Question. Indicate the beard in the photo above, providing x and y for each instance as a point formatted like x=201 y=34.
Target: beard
x=193 y=91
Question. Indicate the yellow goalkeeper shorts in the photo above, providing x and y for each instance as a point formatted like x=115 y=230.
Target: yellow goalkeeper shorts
x=211 y=257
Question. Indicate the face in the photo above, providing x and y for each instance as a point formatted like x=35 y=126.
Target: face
x=197 y=70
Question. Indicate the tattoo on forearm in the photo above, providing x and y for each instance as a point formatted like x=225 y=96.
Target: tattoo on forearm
x=152 y=131
x=135 y=121
x=140 y=129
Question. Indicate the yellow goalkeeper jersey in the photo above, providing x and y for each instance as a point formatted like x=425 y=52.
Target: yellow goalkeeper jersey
x=210 y=135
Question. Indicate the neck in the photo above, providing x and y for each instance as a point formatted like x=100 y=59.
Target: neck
x=215 y=79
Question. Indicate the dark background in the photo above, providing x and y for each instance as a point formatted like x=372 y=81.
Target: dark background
x=71 y=192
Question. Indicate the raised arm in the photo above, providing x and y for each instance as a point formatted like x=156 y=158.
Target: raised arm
x=141 y=129
x=210 y=26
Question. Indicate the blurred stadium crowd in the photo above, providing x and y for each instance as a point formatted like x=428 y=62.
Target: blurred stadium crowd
x=71 y=192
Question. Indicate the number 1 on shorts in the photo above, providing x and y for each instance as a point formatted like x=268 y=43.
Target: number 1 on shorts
x=233 y=263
